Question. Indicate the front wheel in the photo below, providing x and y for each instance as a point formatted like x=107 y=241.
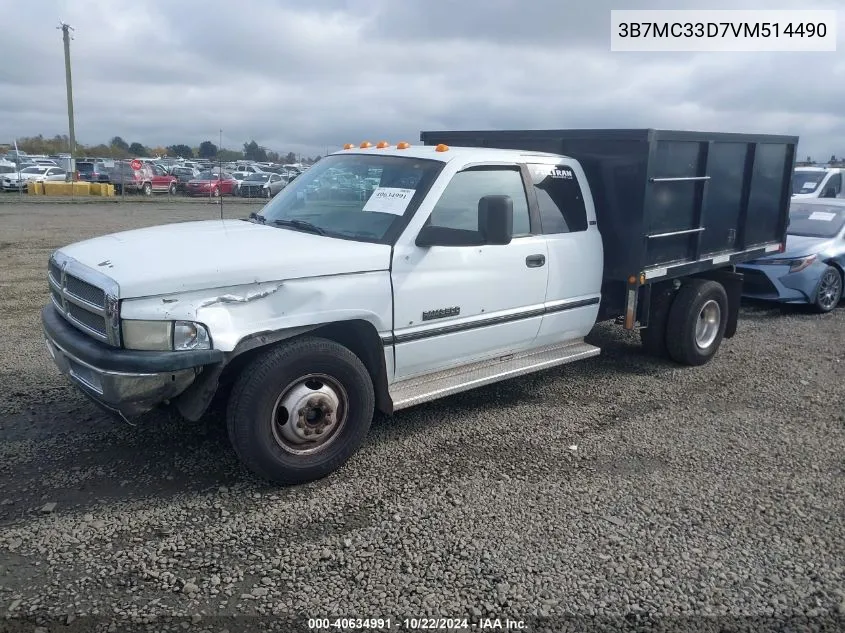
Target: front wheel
x=697 y=321
x=172 y=189
x=267 y=193
x=215 y=193
x=147 y=189
x=829 y=292
x=300 y=410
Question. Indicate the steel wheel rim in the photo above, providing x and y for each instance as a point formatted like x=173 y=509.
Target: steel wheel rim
x=309 y=414
x=707 y=324
x=830 y=289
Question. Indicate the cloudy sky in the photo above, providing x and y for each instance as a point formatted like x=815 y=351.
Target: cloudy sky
x=311 y=75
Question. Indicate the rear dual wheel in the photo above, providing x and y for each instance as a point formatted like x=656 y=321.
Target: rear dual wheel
x=688 y=326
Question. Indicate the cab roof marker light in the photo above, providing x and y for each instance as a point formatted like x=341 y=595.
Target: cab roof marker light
x=441 y=148
x=403 y=145
x=348 y=146
x=382 y=145
x=366 y=145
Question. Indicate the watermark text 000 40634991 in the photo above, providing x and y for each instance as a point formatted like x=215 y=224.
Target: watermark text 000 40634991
x=725 y=31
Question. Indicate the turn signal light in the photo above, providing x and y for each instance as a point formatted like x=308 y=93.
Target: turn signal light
x=348 y=146
x=382 y=144
x=366 y=144
x=403 y=145
x=441 y=148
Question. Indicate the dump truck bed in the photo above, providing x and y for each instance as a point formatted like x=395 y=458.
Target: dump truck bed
x=669 y=203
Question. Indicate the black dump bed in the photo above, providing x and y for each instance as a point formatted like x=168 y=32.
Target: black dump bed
x=668 y=202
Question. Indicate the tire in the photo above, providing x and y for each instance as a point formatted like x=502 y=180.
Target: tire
x=266 y=439
x=267 y=193
x=653 y=337
x=147 y=189
x=689 y=340
x=172 y=189
x=215 y=193
x=829 y=291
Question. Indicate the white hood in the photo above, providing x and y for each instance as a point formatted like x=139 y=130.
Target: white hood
x=190 y=256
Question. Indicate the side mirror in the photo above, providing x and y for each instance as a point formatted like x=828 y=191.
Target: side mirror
x=495 y=219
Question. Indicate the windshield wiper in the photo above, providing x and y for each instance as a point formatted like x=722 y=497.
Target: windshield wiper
x=299 y=224
x=259 y=218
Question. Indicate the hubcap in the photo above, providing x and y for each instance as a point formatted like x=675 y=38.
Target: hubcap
x=309 y=414
x=707 y=327
x=830 y=289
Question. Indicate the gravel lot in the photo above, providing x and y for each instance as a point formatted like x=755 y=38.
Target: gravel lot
x=618 y=487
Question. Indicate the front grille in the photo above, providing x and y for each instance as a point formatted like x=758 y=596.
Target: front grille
x=84 y=305
x=87 y=292
x=756 y=282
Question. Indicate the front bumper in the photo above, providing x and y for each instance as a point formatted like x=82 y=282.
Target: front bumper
x=776 y=283
x=126 y=382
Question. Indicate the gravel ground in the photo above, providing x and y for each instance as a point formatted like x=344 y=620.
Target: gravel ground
x=622 y=489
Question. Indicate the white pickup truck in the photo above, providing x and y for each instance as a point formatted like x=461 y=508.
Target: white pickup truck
x=390 y=275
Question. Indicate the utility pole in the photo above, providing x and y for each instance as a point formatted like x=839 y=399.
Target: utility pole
x=66 y=29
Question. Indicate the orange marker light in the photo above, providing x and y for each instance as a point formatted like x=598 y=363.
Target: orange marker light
x=382 y=144
x=632 y=280
x=441 y=148
x=348 y=146
x=403 y=145
x=366 y=144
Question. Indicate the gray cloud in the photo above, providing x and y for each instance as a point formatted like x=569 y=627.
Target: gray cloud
x=305 y=77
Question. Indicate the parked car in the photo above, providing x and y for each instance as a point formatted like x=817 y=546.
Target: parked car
x=812 y=268
x=93 y=171
x=209 y=183
x=817 y=182
x=183 y=175
x=250 y=168
x=147 y=179
x=239 y=177
x=465 y=266
x=262 y=185
x=15 y=180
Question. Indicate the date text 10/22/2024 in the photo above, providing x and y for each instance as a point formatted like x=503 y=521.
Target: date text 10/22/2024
x=424 y=624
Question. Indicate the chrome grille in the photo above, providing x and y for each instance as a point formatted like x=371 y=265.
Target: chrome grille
x=85 y=291
x=86 y=305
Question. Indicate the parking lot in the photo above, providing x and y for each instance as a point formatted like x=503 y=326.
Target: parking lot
x=620 y=484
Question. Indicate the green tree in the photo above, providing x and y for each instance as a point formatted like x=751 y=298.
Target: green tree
x=119 y=143
x=253 y=151
x=290 y=158
x=180 y=150
x=207 y=149
x=229 y=155
x=136 y=149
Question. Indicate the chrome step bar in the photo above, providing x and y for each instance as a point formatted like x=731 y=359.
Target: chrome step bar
x=414 y=391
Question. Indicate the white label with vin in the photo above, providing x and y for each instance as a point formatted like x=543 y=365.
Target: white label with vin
x=389 y=200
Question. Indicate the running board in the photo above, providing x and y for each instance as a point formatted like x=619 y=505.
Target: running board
x=407 y=393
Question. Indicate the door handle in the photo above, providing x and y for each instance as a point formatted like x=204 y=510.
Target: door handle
x=535 y=261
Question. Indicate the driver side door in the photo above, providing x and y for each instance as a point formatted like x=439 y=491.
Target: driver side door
x=458 y=304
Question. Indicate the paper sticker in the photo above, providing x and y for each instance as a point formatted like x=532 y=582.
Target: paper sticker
x=808 y=185
x=389 y=200
x=822 y=215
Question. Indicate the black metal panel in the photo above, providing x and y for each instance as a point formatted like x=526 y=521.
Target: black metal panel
x=739 y=199
x=762 y=222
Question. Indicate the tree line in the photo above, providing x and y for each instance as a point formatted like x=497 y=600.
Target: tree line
x=119 y=148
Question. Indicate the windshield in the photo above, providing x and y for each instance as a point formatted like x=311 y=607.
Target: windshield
x=356 y=196
x=806 y=181
x=257 y=177
x=84 y=168
x=207 y=175
x=34 y=170
x=816 y=220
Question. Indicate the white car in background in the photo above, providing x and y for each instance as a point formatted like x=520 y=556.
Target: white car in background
x=18 y=180
x=817 y=182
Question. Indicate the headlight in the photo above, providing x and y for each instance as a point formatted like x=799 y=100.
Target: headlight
x=190 y=335
x=164 y=335
x=147 y=335
x=797 y=265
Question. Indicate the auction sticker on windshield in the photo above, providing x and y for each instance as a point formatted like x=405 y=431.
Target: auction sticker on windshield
x=822 y=215
x=389 y=200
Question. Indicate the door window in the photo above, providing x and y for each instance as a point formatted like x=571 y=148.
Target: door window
x=458 y=206
x=560 y=199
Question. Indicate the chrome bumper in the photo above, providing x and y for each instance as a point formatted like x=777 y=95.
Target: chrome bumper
x=128 y=383
x=127 y=394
